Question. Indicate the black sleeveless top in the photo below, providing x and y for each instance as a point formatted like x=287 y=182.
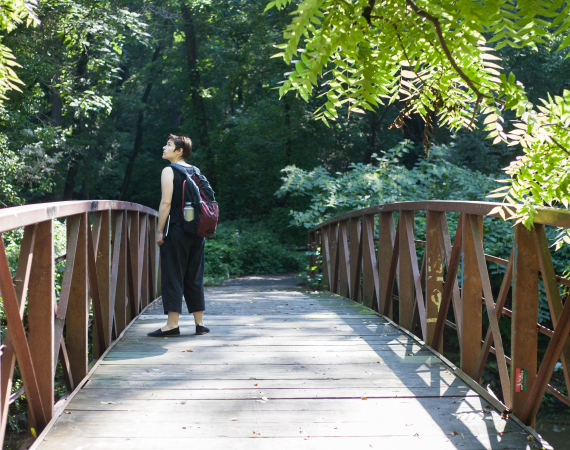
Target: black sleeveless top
x=176 y=207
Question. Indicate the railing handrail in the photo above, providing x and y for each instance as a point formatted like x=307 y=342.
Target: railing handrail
x=21 y=216
x=545 y=216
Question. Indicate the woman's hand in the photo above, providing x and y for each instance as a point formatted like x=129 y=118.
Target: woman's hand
x=159 y=238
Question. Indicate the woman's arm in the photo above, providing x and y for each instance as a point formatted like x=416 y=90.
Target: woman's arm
x=167 y=184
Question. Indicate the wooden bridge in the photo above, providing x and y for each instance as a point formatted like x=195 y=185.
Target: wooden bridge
x=283 y=367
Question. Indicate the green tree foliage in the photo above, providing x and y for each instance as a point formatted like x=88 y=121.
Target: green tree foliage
x=385 y=181
x=438 y=58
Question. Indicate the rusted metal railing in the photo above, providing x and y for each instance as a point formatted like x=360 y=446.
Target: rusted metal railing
x=355 y=266
x=110 y=269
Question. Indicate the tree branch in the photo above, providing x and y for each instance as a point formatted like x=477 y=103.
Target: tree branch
x=441 y=39
x=559 y=145
x=474 y=111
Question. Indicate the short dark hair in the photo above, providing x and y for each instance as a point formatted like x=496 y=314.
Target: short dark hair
x=181 y=142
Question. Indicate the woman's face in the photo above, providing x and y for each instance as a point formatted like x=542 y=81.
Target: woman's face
x=169 y=152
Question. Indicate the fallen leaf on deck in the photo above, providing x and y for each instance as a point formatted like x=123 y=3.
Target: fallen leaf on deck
x=67 y=412
x=364 y=398
x=255 y=384
x=530 y=438
x=462 y=435
x=453 y=433
x=235 y=420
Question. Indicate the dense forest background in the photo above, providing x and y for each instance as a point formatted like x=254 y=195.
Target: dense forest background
x=106 y=82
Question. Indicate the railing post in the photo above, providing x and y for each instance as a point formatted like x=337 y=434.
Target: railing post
x=103 y=262
x=334 y=247
x=386 y=238
x=145 y=281
x=405 y=274
x=355 y=258
x=158 y=282
x=344 y=286
x=326 y=251
x=471 y=298
x=153 y=250
x=41 y=306
x=143 y=255
x=524 y=338
x=434 y=275
x=120 y=305
x=134 y=297
x=77 y=317
x=368 y=260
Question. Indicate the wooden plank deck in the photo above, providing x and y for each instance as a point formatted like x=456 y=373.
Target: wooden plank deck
x=281 y=369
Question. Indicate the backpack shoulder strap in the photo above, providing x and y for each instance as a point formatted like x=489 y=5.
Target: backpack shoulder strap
x=179 y=169
x=191 y=184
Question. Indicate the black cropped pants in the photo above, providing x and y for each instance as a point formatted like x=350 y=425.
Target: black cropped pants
x=182 y=270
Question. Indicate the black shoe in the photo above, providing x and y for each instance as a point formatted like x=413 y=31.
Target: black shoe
x=200 y=329
x=170 y=333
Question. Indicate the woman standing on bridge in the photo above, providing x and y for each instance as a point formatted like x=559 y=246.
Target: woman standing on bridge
x=181 y=253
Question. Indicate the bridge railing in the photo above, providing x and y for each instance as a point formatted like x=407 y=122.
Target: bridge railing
x=110 y=273
x=369 y=259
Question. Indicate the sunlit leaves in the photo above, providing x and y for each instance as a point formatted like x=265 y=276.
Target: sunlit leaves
x=438 y=67
x=12 y=13
x=432 y=56
x=541 y=176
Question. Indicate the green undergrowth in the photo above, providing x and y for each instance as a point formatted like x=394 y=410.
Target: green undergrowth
x=244 y=248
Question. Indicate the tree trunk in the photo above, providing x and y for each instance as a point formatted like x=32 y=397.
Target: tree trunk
x=138 y=131
x=195 y=94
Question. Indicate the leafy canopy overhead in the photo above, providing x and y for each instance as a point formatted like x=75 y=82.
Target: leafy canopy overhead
x=437 y=59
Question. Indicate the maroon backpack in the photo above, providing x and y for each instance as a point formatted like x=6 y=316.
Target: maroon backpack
x=197 y=190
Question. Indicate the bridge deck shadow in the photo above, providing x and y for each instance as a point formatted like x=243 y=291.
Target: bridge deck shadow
x=281 y=369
